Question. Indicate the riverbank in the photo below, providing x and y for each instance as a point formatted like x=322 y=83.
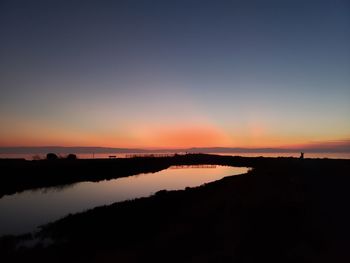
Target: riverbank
x=19 y=174
x=284 y=210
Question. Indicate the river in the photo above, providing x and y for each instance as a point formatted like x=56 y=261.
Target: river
x=25 y=211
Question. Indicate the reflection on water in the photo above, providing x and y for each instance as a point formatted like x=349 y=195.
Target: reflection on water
x=24 y=211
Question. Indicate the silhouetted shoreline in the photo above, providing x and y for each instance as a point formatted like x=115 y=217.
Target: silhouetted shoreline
x=19 y=174
x=284 y=210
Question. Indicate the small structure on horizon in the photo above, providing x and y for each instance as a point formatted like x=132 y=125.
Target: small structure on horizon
x=301 y=155
x=112 y=157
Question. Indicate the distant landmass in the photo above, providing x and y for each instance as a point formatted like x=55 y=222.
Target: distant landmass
x=80 y=149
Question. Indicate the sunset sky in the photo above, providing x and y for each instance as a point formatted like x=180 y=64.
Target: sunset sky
x=162 y=73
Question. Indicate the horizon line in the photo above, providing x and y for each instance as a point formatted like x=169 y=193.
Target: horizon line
x=315 y=147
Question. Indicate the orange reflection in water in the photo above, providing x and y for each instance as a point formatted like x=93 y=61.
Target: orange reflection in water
x=24 y=211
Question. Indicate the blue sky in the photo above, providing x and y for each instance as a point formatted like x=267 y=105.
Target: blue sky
x=174 y=73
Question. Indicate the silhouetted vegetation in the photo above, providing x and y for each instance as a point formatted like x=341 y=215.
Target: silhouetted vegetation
x=51 y=156
x=284 y=210
x=71 y=156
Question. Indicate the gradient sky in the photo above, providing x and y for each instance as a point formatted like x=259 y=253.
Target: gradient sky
x=174 y=73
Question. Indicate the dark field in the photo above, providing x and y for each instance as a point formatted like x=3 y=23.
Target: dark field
x=283 y=210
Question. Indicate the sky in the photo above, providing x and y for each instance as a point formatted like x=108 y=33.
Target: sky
x=157 y=74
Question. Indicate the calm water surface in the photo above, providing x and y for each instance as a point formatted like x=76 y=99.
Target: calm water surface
x=23 y=212
x=335 y=155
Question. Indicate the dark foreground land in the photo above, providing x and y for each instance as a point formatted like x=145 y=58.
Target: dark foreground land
x=19 y=174
x=284 y=210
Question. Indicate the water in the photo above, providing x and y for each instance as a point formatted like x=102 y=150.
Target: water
x=23 y=212
x=33 y=156
x=332 y=155
x=335 y=155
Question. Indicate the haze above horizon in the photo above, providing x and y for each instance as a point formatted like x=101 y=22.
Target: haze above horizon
x=175 y=74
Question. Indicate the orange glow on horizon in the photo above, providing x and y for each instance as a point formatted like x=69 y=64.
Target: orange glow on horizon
x=171 y=138
x=191 y=137
x=156 y=136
